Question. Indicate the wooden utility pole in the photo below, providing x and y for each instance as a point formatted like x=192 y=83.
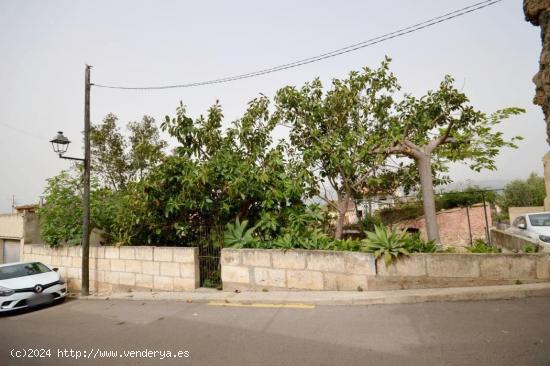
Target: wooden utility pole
x=85 y=288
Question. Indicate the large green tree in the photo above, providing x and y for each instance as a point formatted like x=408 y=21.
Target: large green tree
x=333 y=133
x=216 y=175
x=118 y=159
x=61 y=215
x=441 y=127
x=118 y=163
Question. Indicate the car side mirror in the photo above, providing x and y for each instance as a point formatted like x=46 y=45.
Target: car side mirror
x=522 y=226
x=55 y=269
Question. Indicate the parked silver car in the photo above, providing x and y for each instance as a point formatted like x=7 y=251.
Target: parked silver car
x=535 y=226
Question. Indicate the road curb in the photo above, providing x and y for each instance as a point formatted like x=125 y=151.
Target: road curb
x=340 y=297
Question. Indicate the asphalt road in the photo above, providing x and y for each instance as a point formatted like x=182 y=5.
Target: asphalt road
x=514 y=332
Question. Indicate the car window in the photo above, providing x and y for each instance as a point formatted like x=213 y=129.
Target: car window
x=519 y=220
x=22 y=270
x=542 y=219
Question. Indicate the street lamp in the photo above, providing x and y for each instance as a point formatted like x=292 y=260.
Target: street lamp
x=60 y=144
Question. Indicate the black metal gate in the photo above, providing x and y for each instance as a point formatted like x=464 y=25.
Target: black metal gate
x=210 y=245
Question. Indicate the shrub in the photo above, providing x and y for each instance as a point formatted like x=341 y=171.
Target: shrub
x=415 y=244
x=530 y=248
x=480 y=246
x=386 y=243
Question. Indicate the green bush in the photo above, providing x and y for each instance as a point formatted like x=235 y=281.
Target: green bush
x=480 y=246
x=415 y=244
x=386 y=243
x=530 y=248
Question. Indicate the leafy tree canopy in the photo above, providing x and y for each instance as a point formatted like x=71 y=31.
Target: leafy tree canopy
x=523 y=193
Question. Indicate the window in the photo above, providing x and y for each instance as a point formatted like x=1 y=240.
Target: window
x=542 y=219
x=22 y=270
x=519 y=220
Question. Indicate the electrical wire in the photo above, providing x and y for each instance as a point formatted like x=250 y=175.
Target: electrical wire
x=309 y=60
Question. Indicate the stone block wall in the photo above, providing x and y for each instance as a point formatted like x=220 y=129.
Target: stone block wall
x=139 y=268
x=437 y=270
x=258 y=269
x=509 y=241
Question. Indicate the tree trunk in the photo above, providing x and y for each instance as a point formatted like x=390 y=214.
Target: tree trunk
x=343 y=202
x=424 y=164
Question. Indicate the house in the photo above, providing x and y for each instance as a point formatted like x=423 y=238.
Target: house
x=17 y=229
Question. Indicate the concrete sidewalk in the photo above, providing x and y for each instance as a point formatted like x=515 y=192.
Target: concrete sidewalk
x=221 y=298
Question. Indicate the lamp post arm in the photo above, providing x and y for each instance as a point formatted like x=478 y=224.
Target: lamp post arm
x=71 y=158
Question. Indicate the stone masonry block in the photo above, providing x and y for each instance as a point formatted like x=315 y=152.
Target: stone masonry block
x=144 y=253
x=185 y=255
x=188 y=270
x=56 y=261
x=112 y=252
x=100 y=252
x=290 y=259
x=74 y=272
x=543 y=267
x=163 y=254
x=133 y=266
x=305 y=280
x=414 y=265
x=169 y=269
x=152 y=268
x=500 y=266
x=27 y=249
x=118 y=265
x=235 y=274
x=143 y=280
x=344 y=282
x=184 y=284
x=453 y=265
x=230 y=257
x=112 y=277
x=269 y=277
x=75 y=251
x=76 y=262
x=128 y=279
x=326 y=261
x=93 y=252
x=66 y=261
x=104 y=264
x=127 y=253
x=163 y=283
x=360 y=263
x=256 y=257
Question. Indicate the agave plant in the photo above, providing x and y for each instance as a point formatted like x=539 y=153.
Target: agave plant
x=238 y=236
x=387 y=243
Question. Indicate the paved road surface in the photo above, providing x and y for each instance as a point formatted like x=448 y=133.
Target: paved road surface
x=514 y=332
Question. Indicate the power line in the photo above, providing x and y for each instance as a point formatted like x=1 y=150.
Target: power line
x=21 y=131
x=340 y=51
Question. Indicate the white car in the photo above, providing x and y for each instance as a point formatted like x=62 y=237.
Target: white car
x=29 y=284
x=535 y=226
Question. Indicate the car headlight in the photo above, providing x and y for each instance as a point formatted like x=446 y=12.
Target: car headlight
x=4 y=291
x=544 y=238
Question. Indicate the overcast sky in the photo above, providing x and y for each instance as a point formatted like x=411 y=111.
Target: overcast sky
x=44 y=45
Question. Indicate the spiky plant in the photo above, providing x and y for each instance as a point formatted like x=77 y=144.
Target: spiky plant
x=386 y=243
